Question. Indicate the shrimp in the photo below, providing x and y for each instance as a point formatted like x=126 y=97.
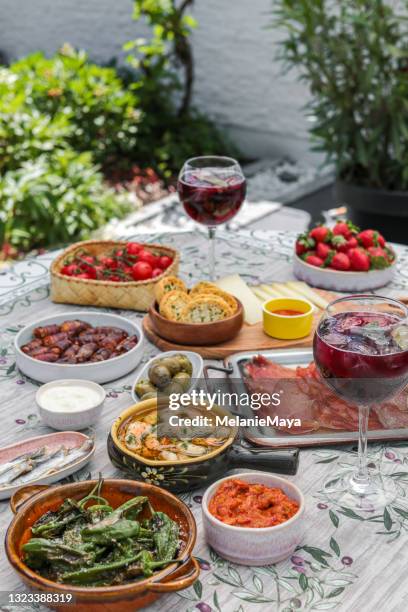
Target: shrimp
x=191 y=450
x=139 y=429
x=168 y=456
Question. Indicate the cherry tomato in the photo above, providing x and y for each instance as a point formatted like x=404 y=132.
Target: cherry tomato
x=128 y=270
x=114 y=278
x=86 y=259
x=147 y=257
x=133 y=248
x=83 y=275
x=119 y=253
x=109 y=262
x=156 y=272
x=70 y=270
x=99 y=272
x=165 y=262
x=142 y=270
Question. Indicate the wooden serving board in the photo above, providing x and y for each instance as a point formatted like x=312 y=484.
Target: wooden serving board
x=250 y=338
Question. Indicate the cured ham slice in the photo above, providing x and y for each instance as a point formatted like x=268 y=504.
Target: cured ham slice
x=305 y=396
x=264 y=376
x=394 y=414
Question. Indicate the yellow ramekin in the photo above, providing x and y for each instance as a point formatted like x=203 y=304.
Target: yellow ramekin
x=286 y=327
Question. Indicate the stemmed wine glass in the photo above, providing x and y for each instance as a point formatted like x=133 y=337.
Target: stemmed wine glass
x=361 y=349
x=212 y=190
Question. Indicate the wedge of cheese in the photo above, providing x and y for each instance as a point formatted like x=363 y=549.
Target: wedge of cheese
x=235 y=285
x=305 y=291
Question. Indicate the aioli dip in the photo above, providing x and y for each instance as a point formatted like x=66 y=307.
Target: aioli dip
x=69 y=398
x=244 y=504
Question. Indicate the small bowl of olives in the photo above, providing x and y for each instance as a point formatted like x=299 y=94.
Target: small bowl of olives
x=171 y=372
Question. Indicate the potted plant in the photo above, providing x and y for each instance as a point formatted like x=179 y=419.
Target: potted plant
x=354 y=56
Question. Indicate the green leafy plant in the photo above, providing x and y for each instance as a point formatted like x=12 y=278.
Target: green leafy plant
x=354 y=56
x=55 y=199
x=171 y=130
x=25 y=132
x=103 y=115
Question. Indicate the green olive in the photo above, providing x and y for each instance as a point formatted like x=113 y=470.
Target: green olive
x=149 y=395
x=144 y=386
x=185 y=364
x=172 y=364
x=173 y=387
x=184 y=379
x=159 y=375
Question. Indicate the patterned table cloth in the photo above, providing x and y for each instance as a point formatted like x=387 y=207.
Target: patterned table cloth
x=346 y=561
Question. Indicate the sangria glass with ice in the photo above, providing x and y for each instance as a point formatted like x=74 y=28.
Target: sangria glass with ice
x=361 y=349
x=212 y=190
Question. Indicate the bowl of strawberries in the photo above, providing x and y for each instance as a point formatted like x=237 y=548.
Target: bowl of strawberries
x=111 y=274
x=343 y=258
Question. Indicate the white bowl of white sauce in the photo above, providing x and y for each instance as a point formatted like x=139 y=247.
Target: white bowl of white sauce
x=71 y=404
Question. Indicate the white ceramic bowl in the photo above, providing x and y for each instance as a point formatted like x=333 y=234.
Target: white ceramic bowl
x=195 y=359
x=100 y=372
x=255 y=546
x=66 y=420
x=336 y=280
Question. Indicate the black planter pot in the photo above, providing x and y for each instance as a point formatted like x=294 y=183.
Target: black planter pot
x=386 y=211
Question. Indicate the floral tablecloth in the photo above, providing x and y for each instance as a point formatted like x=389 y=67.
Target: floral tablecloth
x=346 y=561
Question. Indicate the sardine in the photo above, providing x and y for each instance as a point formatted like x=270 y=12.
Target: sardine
x=6 y=467
x=43 y=464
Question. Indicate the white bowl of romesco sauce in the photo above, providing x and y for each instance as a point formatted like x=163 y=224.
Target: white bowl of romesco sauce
x=264 y=518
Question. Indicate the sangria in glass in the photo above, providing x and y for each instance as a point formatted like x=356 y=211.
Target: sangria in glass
x=361 y=350
x=212 y=190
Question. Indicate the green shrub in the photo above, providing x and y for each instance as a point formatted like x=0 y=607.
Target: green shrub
x=25 y=133
x=102 y=113
x=353 y=55
x=55 y=199
x=171 y=130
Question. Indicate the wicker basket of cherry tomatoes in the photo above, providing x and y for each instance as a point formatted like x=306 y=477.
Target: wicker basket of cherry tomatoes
x=111 y=274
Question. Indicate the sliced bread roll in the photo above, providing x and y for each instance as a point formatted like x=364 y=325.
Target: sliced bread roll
x=166 y=284
x=173 y=303
x=205 y=309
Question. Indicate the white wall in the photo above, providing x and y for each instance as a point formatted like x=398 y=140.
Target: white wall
x=238 y=81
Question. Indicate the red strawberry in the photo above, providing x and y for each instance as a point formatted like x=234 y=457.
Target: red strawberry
x=340 y=261
x=303 y=244
x=359 y=259
x=371 y=238
x=322 y=250
x=345 y=228
x=320 y=233
x=378 y=258
x=313 y=260
x=351 y=243
x=339 y=242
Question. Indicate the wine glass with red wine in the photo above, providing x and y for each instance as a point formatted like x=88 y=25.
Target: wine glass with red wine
x=212 y=190
x=361 y=350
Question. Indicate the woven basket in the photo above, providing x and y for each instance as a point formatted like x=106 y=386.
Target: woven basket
x=133 y=295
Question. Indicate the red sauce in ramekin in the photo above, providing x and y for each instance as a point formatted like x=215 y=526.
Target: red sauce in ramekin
x=245 y=504
x=287 y=312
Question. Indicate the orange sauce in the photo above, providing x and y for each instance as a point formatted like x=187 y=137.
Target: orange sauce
x=286 y=312
x=245 y=504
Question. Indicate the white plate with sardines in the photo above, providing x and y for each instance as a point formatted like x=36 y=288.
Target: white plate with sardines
x=43 y=460
x=87 y=345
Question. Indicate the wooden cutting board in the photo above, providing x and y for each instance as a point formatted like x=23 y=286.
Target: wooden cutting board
x=250 y=338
